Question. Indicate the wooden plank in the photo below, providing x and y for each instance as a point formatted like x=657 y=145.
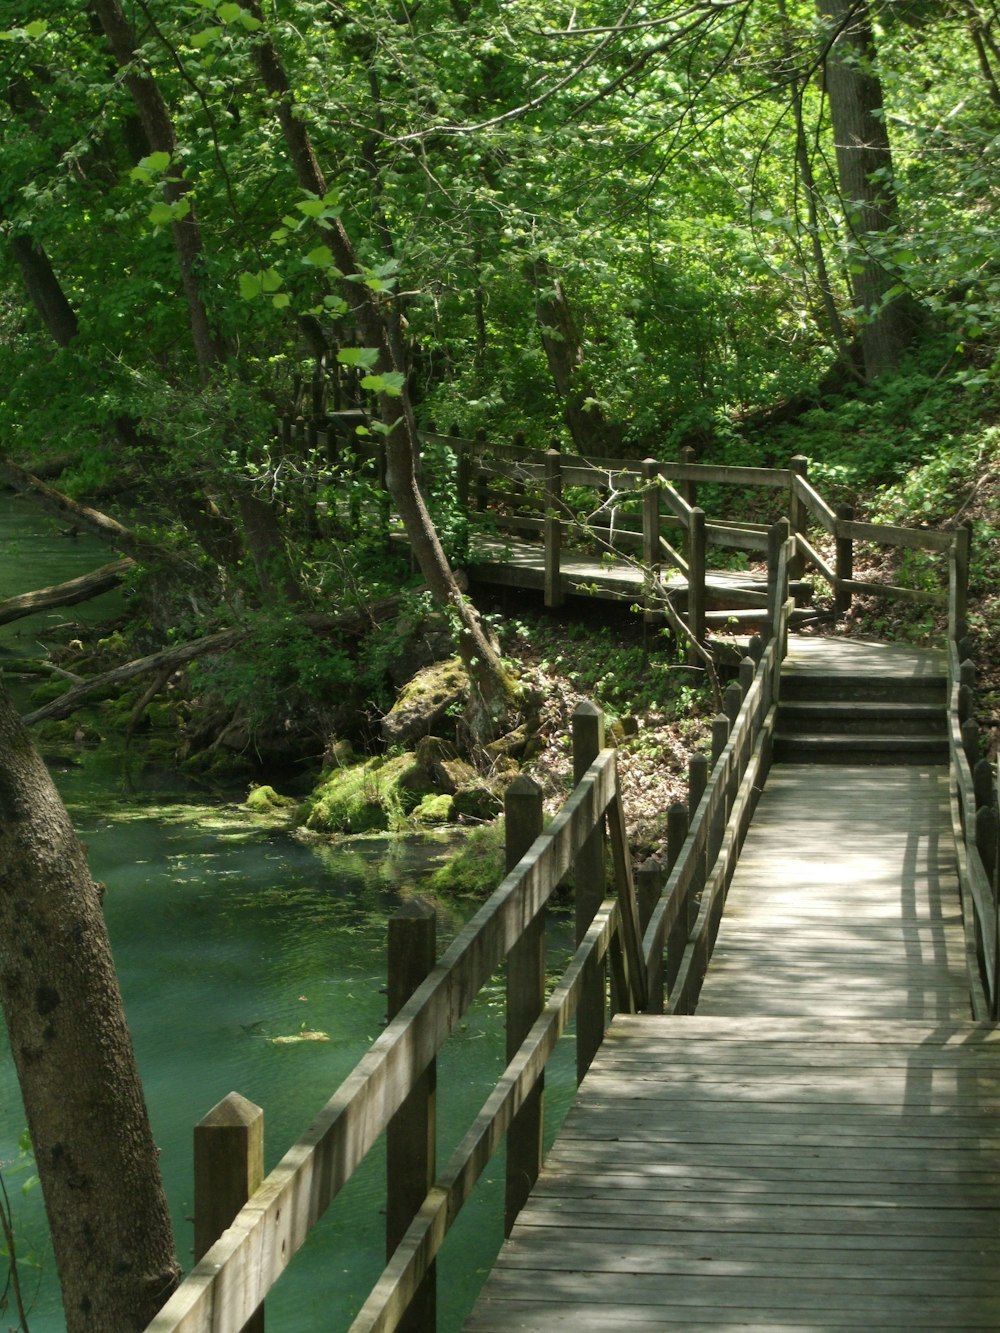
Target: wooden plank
x=935 y=596
x=737 y=1186
x=888 y=534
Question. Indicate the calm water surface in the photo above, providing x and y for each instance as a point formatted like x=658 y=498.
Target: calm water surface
x=226 y=936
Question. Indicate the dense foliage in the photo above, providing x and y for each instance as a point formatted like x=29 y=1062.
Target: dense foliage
x=632 y=223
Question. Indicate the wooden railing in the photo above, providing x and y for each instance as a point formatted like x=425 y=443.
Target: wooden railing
x=974 y=802
x=648 y=511
x=651 y=939
x=231 y=1280
x=670 y=530
x=687 y=889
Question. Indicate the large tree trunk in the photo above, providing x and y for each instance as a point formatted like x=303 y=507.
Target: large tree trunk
x=592 y=433
x=867 y=190
x=96 y=1158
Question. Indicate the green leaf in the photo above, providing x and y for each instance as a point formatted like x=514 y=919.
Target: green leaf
x=250 y=285
x=160 y=214
x=321 y=257
x=390 y=383
x=358 y=356
x=281 y=300
x=229 y=13
x=202 y=38
x=155 y=164
x=270 y=280
x=313 y=208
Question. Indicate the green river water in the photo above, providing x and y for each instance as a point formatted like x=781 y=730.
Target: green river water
x=226 y=935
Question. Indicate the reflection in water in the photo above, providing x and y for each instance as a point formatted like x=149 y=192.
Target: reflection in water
x=226 y=937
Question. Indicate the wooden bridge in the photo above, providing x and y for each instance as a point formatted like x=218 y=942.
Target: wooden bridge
x=785 y=1023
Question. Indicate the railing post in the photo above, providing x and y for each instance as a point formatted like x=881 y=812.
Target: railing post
x=553 y=527
x=958 y=589
x=649 y=880
x=732 y=701
x=411 y=1134
x=650 y=528
x=798 y=515
x=970 y=740
x=843 y=566
x=720 y=739
x=982 y=782
x=588 y=741
x=678 y=822
x=228 y=1168
x=525 y=1000
x=696 y=580
x=697 y=780
x=748 y=669
x=698 y=767
x=463 y=472
x=688 y=489
x=986 y=839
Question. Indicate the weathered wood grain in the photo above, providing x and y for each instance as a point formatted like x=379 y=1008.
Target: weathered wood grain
x=706 y=1178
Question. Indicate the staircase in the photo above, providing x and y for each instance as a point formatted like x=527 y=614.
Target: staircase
x=843 y=712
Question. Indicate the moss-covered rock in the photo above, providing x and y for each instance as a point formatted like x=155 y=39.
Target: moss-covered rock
x=476 y=800
x=424 y=702
x=434 y=809
x=369 y=797
x=265 y=801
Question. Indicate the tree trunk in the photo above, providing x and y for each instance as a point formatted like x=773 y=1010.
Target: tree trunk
x=867 y=189
x=494 y=694
x=159 y=131
x=592 y=433
x=44 y=291
x=98 y=1164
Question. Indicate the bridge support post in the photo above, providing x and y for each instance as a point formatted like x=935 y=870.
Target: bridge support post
x=798 y=515
x=843 y=562
x=696 y=581
x=651 y=531
x=228 y=1167
x=689 y=457
x=525 y=1001
x=958 y=590
x=411 y=1134
x=678 y=822
x=553 y=527
x=588 y=741
x=649 y=881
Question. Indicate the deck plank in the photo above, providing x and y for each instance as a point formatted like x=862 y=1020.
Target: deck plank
x=819 y=1146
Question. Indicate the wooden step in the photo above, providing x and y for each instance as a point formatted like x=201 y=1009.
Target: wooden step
x=862 y=717
x=877 y=748
x=814 y=685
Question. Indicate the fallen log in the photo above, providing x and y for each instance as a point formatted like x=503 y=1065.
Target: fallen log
x=82 y=516
x=167 y=660
x=66 y=594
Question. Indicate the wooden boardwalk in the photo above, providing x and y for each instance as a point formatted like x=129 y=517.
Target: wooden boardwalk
x=819 y=1146
x=512 y=562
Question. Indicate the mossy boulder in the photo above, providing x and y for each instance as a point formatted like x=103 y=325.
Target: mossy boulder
x=370 y=797
x=266 y=801
x=440 y=761
x=424 y=702
x=434 y=809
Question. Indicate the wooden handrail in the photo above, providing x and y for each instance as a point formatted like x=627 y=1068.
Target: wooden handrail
x=232 y=1279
